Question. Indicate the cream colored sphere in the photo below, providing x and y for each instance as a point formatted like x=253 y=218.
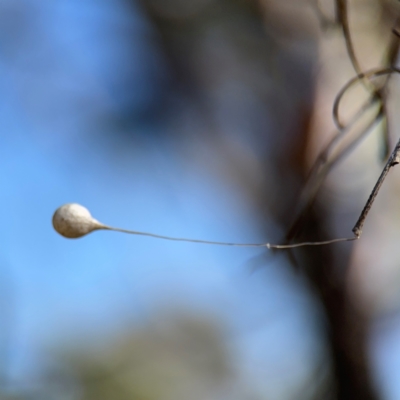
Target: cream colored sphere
x=74 y=221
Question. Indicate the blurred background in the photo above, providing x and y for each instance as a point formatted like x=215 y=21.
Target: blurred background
x=197 y=119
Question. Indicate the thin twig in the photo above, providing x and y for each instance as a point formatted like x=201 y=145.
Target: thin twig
x=371 y=74
x=343 y=20
x=393 y=50
x=394 y=159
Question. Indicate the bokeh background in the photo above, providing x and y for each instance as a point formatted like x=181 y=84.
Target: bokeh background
x=194 y=119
